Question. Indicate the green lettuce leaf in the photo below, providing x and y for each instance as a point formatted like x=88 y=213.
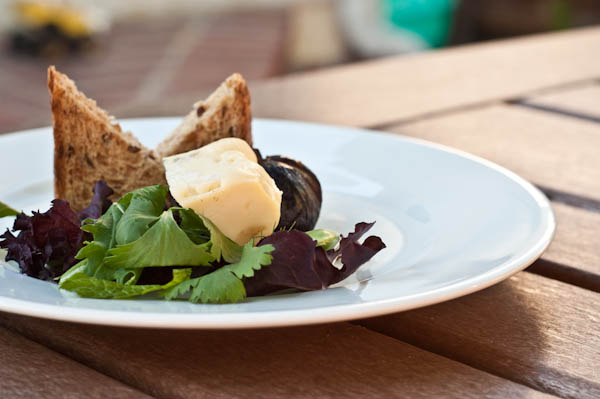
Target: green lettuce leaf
x=327 y=239
x=74 y=270
x=145 y=207
x=127 y=276
x=103 y=231
x=225 y=284
x=6 y=211
x=199 y=227
x=121 y=276
x=92 y=287
x=164 y=244
x=193 y=225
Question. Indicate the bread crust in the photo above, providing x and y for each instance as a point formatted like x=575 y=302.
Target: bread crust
x=89 y=146
x=225 y=113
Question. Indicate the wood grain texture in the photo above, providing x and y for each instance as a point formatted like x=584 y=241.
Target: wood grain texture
x=339 y=360
x=547 y=149
x=550 y=150
x=395 y=89
x=530 y=329
x=574 y=254
x=29 y=370
x=583 y=100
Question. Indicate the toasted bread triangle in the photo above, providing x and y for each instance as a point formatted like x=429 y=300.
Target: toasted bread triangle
x=89 y=146
x=225 y=113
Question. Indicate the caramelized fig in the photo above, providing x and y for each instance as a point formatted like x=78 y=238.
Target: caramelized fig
x=302 y=197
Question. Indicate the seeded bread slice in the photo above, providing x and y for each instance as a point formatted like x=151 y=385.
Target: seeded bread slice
x=225 y=113
x=89 y=146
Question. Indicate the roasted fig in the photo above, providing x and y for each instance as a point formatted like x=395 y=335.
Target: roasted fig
x=302 y=197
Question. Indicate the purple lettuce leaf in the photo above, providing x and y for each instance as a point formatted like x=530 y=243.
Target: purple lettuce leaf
x=46 y=244
x=298 y=263
x=353 y=254
x=51 y=238
x=100 y=202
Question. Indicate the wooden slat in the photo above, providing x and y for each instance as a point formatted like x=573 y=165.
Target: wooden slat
x=548 y=149
x=581 y=100
x=339 y=360
x=574 y=254
x=537 y=331
x=405 y=87
x=551 y=150
x=28 y=371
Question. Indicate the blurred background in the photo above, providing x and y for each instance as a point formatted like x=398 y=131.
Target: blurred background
x=156 y=57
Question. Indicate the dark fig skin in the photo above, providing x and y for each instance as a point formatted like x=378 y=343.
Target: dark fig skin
x=302 y=196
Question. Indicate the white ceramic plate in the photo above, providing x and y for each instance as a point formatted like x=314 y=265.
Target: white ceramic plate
x=453 y=224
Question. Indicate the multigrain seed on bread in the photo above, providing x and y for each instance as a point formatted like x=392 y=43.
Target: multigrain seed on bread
x=89 y=146
x=225 y=113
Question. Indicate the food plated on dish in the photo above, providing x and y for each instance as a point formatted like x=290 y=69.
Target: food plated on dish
x=203 y=217
x=452 y=223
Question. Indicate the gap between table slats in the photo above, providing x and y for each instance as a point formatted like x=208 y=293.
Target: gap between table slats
x=327 y=361
x=29 y=370
x=574 y=254
x=555 y=152
x=395 y=89
x=581 y=102
x=529 y=329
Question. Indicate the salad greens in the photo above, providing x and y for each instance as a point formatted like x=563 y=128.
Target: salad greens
x=93 y=287
x=6 y=210
x=163 y=244
x=138 y=246
x=137 y=232
x=327 y=239
x=203 y=289
x=46 y=243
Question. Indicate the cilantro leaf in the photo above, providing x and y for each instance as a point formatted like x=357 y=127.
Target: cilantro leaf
x=145 y=207
x=253 y=258
x=92 y=287
x=197 y=225
x=220 y=286
x=6 y=210
x=164 y=244
x=181 y=289
x=225 y=284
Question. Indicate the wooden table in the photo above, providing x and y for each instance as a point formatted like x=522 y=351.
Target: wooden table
x=530 y=104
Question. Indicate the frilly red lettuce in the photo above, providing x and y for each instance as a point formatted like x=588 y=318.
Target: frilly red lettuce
x=100 y=202
x=46 y=244
x=298 y=263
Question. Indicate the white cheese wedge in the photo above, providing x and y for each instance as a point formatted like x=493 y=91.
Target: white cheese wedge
x=224 y=182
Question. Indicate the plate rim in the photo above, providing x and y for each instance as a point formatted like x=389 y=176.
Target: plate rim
x=307 y=316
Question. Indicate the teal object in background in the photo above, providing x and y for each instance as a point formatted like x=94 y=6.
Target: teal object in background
x=429 y=19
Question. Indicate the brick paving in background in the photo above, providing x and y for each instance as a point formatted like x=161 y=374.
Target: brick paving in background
x=148 y=62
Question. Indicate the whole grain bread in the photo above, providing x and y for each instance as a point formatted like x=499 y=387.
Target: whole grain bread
x=225 y=113
x=89 y=146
